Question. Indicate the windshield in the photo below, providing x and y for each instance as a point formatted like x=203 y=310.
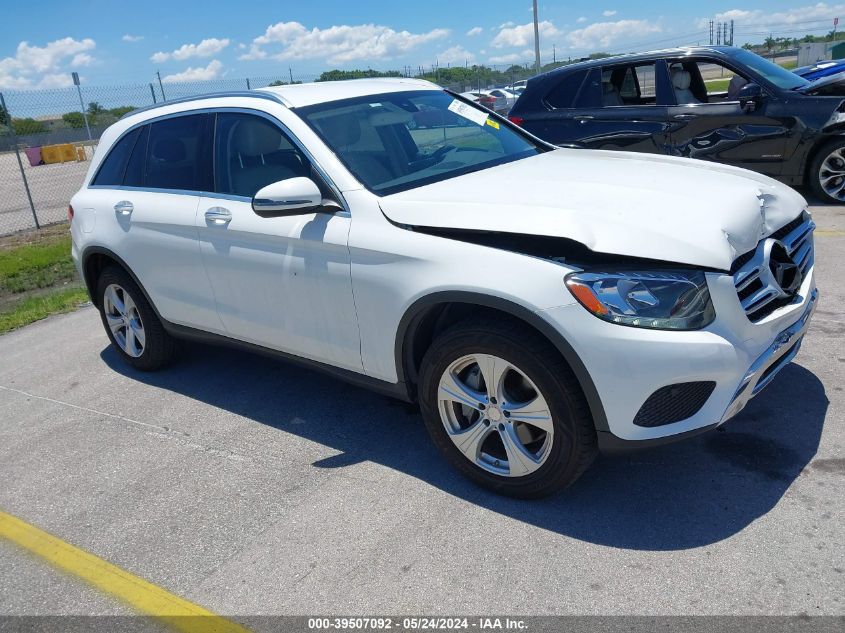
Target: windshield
x=397 y=141
x=777 y=75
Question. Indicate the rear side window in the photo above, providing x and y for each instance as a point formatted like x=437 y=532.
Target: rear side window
x=564 y=93
x=179 y=154
x=113 y=167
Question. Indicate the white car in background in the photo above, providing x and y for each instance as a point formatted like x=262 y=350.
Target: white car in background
x=504 y=99
x=540 y=304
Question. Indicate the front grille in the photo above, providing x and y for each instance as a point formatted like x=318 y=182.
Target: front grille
x=759 y=298
x=674 y=403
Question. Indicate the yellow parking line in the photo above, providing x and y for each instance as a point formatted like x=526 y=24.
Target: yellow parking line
x=136 y=592
x=829 y=233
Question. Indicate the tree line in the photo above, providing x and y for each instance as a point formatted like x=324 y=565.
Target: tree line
x=98 y=116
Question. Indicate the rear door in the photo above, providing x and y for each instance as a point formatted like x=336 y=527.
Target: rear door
x=715 y=127
x=150 y=185
x=625 y=108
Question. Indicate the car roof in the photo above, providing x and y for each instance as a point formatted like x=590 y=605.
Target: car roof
x=299 y=95
x=682 y=51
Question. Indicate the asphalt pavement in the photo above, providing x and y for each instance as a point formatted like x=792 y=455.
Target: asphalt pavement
x=250 y=486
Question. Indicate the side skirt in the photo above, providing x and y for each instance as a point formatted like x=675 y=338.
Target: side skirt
x=398 y=390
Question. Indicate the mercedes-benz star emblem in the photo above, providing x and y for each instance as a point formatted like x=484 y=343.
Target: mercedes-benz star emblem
x=784 y=270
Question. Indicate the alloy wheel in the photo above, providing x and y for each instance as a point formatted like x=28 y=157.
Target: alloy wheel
x=832 y=174
x=123 y=320
x=495 y=415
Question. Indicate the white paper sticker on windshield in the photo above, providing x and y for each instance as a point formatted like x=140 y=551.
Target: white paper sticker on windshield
x=468 y=112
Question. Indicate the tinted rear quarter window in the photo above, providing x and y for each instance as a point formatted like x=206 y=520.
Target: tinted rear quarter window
x=113 y=167
x=134 y=174
x=179 y=154
x=564 y=93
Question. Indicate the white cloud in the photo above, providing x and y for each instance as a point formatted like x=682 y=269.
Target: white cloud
x=132 y=38
x=523 y=34
x=81 y=59
x=337 y=44
x=609 y=13
x=513 y=58
x=212 y=71
x=476 y=30
x=41 y=66
x=55 y=80
x=604 y=34
x=206 y=48
x=582 y=19
x=762 y=17
x=456 y=56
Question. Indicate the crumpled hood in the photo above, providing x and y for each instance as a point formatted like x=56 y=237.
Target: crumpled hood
x=639 y=205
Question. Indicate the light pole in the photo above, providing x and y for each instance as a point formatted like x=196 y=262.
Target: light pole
x=81 y=103
x=536 y=40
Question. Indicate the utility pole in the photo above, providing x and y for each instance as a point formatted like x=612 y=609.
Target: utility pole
x=161 y=85
x=711 y=32
x=290 y=74
x=718 y=33
x=536 y=40
x=732 y=32
x=81 y=103
x=554 y=54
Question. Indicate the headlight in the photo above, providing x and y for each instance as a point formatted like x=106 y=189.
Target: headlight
x=663 y=300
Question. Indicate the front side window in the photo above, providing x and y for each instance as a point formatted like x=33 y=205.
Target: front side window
x=179 y=154
x=397 y=141
x=251 y=152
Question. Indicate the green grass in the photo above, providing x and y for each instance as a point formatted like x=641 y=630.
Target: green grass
x=717 y=85
x=34 y=308
x=37 y=278
x=37 y=265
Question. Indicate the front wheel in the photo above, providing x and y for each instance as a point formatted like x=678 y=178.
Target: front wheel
x=505 y=409
x=827 y=173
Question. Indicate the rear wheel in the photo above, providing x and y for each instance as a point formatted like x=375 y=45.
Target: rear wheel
x=505 y=409
x=130 y=322
x=827 y=173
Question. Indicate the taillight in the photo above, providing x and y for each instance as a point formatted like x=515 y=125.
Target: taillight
x=69 y=213
x=518 y=120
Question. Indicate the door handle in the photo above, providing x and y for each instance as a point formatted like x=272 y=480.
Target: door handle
x=584 y=117
x=124 y=208
x=218 y=215
x=685 y=117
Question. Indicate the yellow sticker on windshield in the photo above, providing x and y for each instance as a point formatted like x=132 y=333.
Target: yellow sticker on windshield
x=492 y=123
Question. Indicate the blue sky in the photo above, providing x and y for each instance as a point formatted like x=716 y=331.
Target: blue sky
x=109 y=42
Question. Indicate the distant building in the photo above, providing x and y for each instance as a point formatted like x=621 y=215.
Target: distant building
x=812 y=52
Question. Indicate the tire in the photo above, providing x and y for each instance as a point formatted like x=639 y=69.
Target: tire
x=531 y=365
x=824 y=174
x=139 y=339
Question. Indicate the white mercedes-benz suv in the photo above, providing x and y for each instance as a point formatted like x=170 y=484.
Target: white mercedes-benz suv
x=540 y=304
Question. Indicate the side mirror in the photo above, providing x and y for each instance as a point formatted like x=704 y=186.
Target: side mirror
x=750 y=96
x=292 y=196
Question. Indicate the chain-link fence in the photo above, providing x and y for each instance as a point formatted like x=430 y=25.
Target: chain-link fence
x=48 y=137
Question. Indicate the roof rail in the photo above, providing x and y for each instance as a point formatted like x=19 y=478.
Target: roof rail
x=211 y=95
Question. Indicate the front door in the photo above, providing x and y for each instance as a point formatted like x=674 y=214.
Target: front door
x=709 y=123
x=279 y=282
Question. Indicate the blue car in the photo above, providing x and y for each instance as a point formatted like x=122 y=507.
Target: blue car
x=824 y=68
